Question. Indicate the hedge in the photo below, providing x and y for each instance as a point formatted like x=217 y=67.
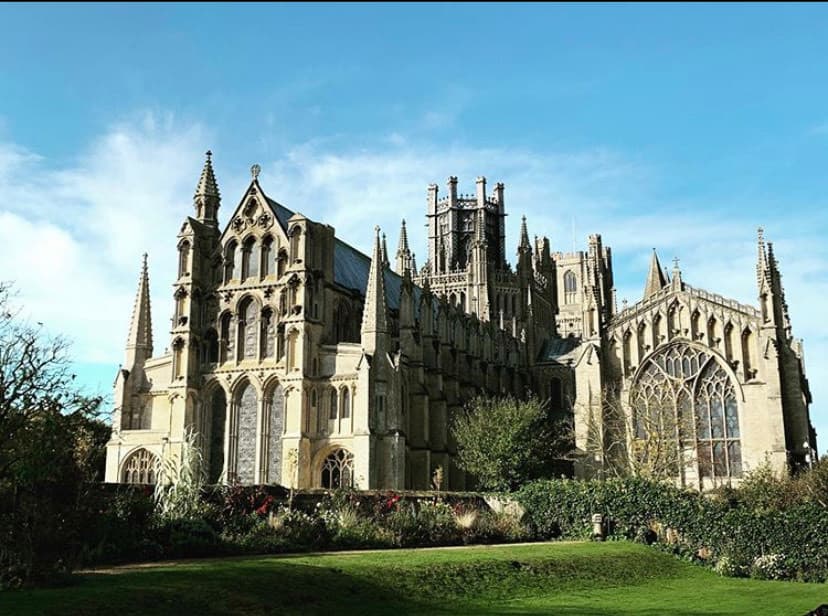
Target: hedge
x=719 y=531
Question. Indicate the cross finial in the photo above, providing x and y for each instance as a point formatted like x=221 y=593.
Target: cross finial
x=209 y=155
x=254 y=171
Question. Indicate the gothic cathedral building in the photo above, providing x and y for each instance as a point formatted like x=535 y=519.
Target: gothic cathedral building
x=295 y=359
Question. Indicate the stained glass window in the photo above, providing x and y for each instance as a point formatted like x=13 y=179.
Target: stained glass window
x=680 y=382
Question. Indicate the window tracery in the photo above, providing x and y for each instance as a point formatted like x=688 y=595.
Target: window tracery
x=686 y=391
x=338 y=470
x=140 y=467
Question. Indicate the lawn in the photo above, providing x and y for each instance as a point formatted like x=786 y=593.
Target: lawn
x=555 y=578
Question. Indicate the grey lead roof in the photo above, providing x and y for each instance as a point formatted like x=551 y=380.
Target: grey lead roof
x=351 y=266
x=556 y=348
x=282 y=213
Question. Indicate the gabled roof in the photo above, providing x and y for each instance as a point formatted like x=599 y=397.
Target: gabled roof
x=282 y=213
x=350 y=265
x=351 y=269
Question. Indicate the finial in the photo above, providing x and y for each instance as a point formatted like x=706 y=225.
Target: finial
x=675 y=262
x=760 y=232
x=255 y=170
x=403 y=222
x=209 y=155
x=144 y=260
x=377 y=230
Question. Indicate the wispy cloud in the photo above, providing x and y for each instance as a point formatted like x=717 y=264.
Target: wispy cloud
x=72 y=236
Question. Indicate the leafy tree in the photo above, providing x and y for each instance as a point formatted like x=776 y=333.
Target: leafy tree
x=50 y=445
x=505 y=442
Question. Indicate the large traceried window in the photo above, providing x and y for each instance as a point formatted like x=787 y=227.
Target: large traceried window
x=338 y=470
x=684 y=397
x=140 y=467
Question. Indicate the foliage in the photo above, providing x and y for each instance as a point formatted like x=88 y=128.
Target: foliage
x=187 y=538
x=637 y=439
x=686 y=522
x=180 y=480
x=49 y=447
x=504 y=442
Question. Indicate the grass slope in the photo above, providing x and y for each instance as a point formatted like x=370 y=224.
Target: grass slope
x=570 y=579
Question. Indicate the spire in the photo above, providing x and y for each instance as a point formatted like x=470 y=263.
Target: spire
x=207 y=186
x=656 y=280
x=139 y=341
x=207 y=198
x=385 y=262
x=402 y=248
x=524 y=236
x=374 y=317
x=404 y=258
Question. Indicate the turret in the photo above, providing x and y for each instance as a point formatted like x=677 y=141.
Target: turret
x=481 y=191
x=404 y=258
x=207 y=199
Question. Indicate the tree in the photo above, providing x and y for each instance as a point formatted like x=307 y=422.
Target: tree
x=49 y=447
x=650 y=437
x=505 y=442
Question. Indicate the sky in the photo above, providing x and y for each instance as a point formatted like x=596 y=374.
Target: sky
x=676 y=127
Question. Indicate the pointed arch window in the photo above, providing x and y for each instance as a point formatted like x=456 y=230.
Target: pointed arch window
x=295 y=240
x=281 y=263
x=333 y=408
x=184 y=259
x=684 y=398
x=267 y=256
x=346 y=403
x=140 y=467
x=249 y=263
x=178 y=358
x=338 y=470
x=229 y=260
x=570 y=287
x=226 y=342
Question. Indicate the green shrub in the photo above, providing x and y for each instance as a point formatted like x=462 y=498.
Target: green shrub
x=739 y=526
x=188 y=538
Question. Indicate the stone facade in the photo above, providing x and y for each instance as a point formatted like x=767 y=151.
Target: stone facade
x=298 y=360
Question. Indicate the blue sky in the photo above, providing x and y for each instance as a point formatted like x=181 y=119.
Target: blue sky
x=680 y=127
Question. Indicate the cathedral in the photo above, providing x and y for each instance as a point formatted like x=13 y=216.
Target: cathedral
x=295 y=359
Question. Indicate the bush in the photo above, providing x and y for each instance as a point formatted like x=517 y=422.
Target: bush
x=430 y=523
x=739 y=526
x=188 y=538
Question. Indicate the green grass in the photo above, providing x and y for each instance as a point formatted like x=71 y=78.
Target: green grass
x=570 y=579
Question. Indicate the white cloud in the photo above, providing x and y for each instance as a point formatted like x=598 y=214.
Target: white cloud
x=72 y=237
